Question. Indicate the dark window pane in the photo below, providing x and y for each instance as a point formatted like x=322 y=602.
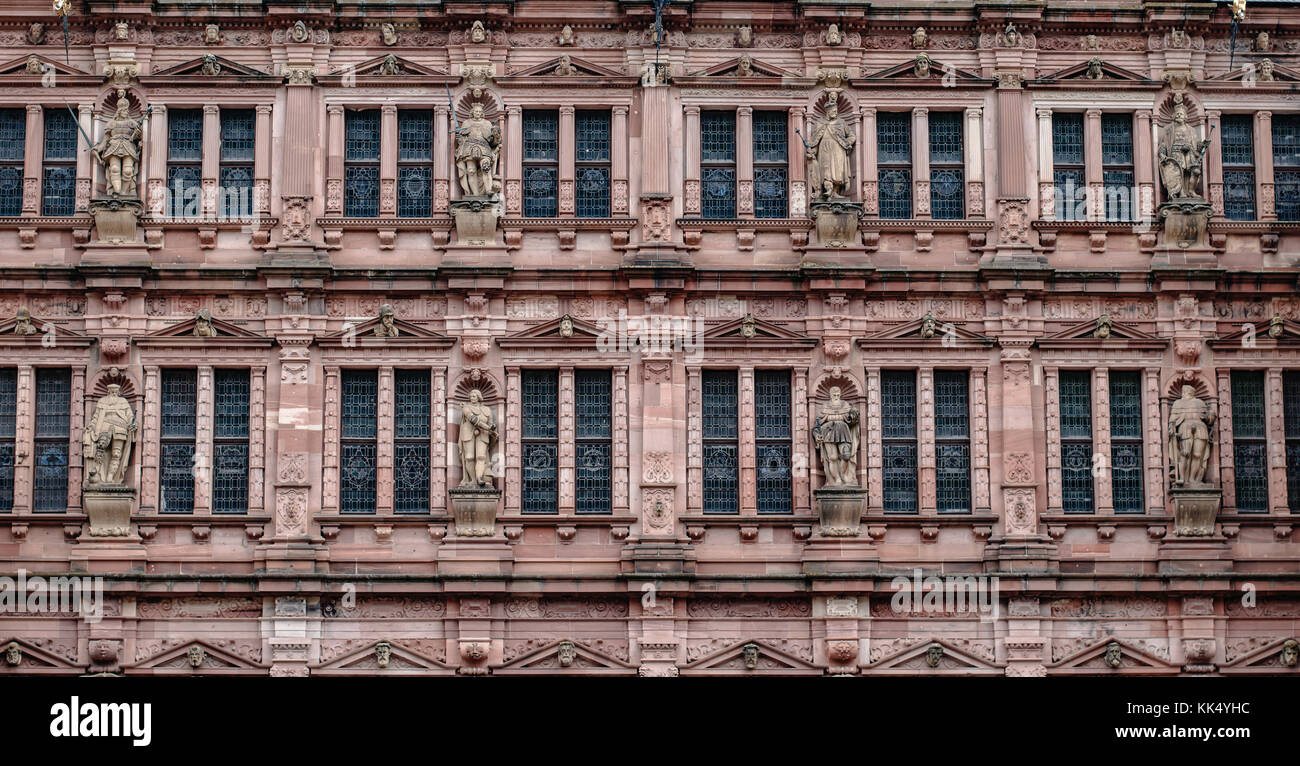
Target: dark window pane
x=51 y=486
x=719 y=193
x=774 y=486
x=900 y=477
x=1250 y=468
x=593 y=477
x=1288 y=194
x=952 y=461
x=357 y=477
x=1247 y=404
x=411 y=477
x=719 y=404
x=592 y=194
x=541 y=188
x=1116 y=139
x=1126 y=476
x=540 y=428
x=53 y=402
x=1250 y=475
x=898 y=411
x=231 y=410
x=185 y=135
x=717 y=136
x=179 y=403
x=770 y=137
x=541 y=135
x=237 y=135
x=591 y=135
x=1076 y=477
x=6 y=476
x=896 y=193
x=8 y=402
x=60 y=134
x=1238 y=139
x=769 y=193
x=58 y=190
x=719 y=408
x=540 y=389
x=361 y=192
x=411 y=409
x=1076 y=440
x=1126 y=441
x=177 y=477
x=13 y=134
x=230 y=480
x=184 y=190
x=945 y=138
x=360 y=403
x=1076 y=404
x=1070 y=195
x=1286 y=140
x=11 y=190
x=772 y=429
x=951 y=406
x=592 y=402
x=772 y=404
x=1239 y=195
x=235 y=197
x=947 y=193
x=414 y=135
x=1117 y=195
x=1125 y=405
x=899 y=404
x=541 y=485
x=415 y=192
x=361 y=136
x=720 y=479
x=894 y=137
x=1067 y=139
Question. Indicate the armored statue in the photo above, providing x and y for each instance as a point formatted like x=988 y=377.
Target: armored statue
x=1182 y=155
x=119 y=150
x=829 y=169
x=387 y=327
x=836 y=435
x=107 y=439
x=1189 y=438
x=478 y=146
x=478 y=436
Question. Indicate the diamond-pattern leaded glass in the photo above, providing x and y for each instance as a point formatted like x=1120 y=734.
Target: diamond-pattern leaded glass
x=230 y=419
x=230 y=477
x=361 y=135
x=1070 y=195
x=718 y=165
x=541 y=135
x=540 y=425
x=947 y=193
x=6 y=476
x=415 y=163
x=1239 y=195
x=770 y=164
x=237 y=135
x=235 y=195
x=952 y=440
x=1075 y=393
x=900 y=477
x=951 y=404
x=1286 y=157
x=593 y=481
x=1237 y=138
x=179 y=402
x=1116 y=139
x=177 y=477
x=8 y=431
x=13 y=138
x=411 y=477
x=898 y=410
x=592 y=397
x=60 y=135
x=11 y=190
x=541 y=484
x=591 y=135
x=945 y=138
x=411 y=419
x=230 y=441
x=772 y=432
x=1117 y=195
x=360 y=401
x=235 y=176
x=184 y=153
x=411 y=409
x=361 y=191
x=718 y=193
x=183 y=190
x=357 y=466
x=769 y=193
x=894 y=138
x=952 y=465
x=898 y=420
x=58 y=190
x=541 y=169
x=717 y=136
x=592 y=192
x=540 y=389
x=1287 y=183
x=592 y=156
x=719 y=407
x=179 y=410
x=1291 y=419
x=361 y=141
x=53 y=408
x=770 y=137
x=357 y=477
x=414 y=135
x=414 y=192
x=1126 y=441
x=540 y=192
x=1248 y=440
x=896 y=193
x=1067 y=139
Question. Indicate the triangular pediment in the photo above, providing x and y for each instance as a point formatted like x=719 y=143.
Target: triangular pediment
x=388 y=66
x=552 y=329
x=909 y=333
x=1087 y=331
x=1266 y=659
x=760 y=658
x=33 y=660
x=576 y=67
x=223 y=328
x=1092 y=659
x=906 y=71
x=366 y=660
x=19 y=66
x=224 y=67
x=210 y=659
x=1280 y=74
x=566 y=657
x=42 y=327
x=735 y=68
x=946 y=657
x=1104 y=73
x=750 y=329
x=1255 y=335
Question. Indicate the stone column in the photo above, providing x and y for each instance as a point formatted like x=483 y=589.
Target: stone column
x=1013 y=194
x=1046 y=167
x=691 y=139
x=875 y=450
x=799 y=164
x=384 y=443
x=694 y=440
x=257 y=440
x=1144 y=165
x=748 y=453
x=926 y=474
x=867 y=155
x=618 y=192
x=262 y=163
x=1264 y=165
x=76 y=424
x=438 y=443
x=1052 y=419
x=1092 y=164
x=33 y=155
x=619 y=464
x=300 y=427
x=85 y=165
x=156 y=167
x=979 y=403
x=513 y=449
x=801 y=457
x=330 y=453
x=567 y=149
x=203 y=466
x=24 y=438
x=744 y=162
x=1101 y=440
x=1019 y=474
x=1214 y=162
x=1227 y=468
x=298 y=171
x=974 y=162
x=566 y=452
x=442 y=148
x=1276 y=430
x=1154 y=446
x=210 y=167
x=920 y=162
x=388 y=160
x=150 y=432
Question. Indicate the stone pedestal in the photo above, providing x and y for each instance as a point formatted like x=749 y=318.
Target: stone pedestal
x=108 y=509
x=840 y=509
x=837 y=222
x=475 y=510
x=476 y=220
x=479 y=556
x=1185 y=222
x=116 y=219
x=1194 y=555
x=1195 y=509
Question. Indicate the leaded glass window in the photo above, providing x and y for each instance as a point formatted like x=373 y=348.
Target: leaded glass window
x=541 y=163
x=414 y=163
x=230 y=423
x=947 y=172
x=411 y=457
x=1067 y=167
x=1291 y=417
x=1238 y=141
x=720 y=407
x=238 y=138
x=1117 y=167
x=898 y=421
x=179 y=418
x=591 y=163
x=1286 y=165
x=1076 y=441
x=1249 y=449
x=184 y=162
x=8 y=433
x=894 y=163
x=771 y=160
x=59 y=172
x=361 y=163
x=593 y=419
x=540 y=447
x=952 y=440
x=718 y=164
x=13 y=140
x=1126 y=441
x=358 y=443
x=773 y=447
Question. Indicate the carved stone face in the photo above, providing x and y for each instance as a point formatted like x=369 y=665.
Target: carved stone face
x=1290 y=655
x=13 y=654
x=36 y=33
x=475 y=396
x=196 y=656
x=566 y=653
x=114 y=389
x=1114 y=655
x=212 y=34
x=476 y=111
x=835 y=393
x=750 y=654
x=1180 y=114
x=390 y=34
x=934 y=655
x=383 y=653
x=832 y=111
x=1189 y=392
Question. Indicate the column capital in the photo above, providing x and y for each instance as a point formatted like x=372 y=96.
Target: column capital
x=266 y=108
x=745 y=110
x=865 y=111
x=567 y=109
x=34 y=108
x=1145 y=114
x=332 y=109
x=85 y=109
x=619 y=110
x=1264 y=114
x=513 y=110
x=211 y=109
x=1094 y=112
x=691 y=109
x=974 y=111
x=1044 y=112
x=918 y=111
x=388 y=109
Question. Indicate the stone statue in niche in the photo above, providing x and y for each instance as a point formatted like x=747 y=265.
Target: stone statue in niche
x=119 y=149
x=1189 y=438
x=478 y=146
x=836 y=435
x=108 y=438
x=478 y=436
x=387 y=327
x=1182 y=154
x=23 y=324
x=203 y=324
x=829 y=168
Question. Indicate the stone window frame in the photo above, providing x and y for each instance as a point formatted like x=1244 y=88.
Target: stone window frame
x=1272 y=366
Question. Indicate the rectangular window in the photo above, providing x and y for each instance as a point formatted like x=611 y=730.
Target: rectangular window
x=53 y=416
x=592 y=158
x=773 y=435
x=718 y=164
x=1286 y=165
x=540 y=441
x=414 y=163
x=1067 y=167
x=238 y=139
x=541 y=163
x=894 y=163
x=1290 y=414
x=719 y=406
x=1126 y=441
x=361 y=163
x=771 y=164
x=184 y=162
x=179 y=418
x=947 y=169
x=1076 y=441
x=230 y=441
x=592 y=400
x=359 y=447
x=1238 y=139
x=411 y=443
x=952 y=440
x=59 y=172
x=8 y=433
x=13 y=150
x=898 y=410
x=1117 y=167
x=1249 y=450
